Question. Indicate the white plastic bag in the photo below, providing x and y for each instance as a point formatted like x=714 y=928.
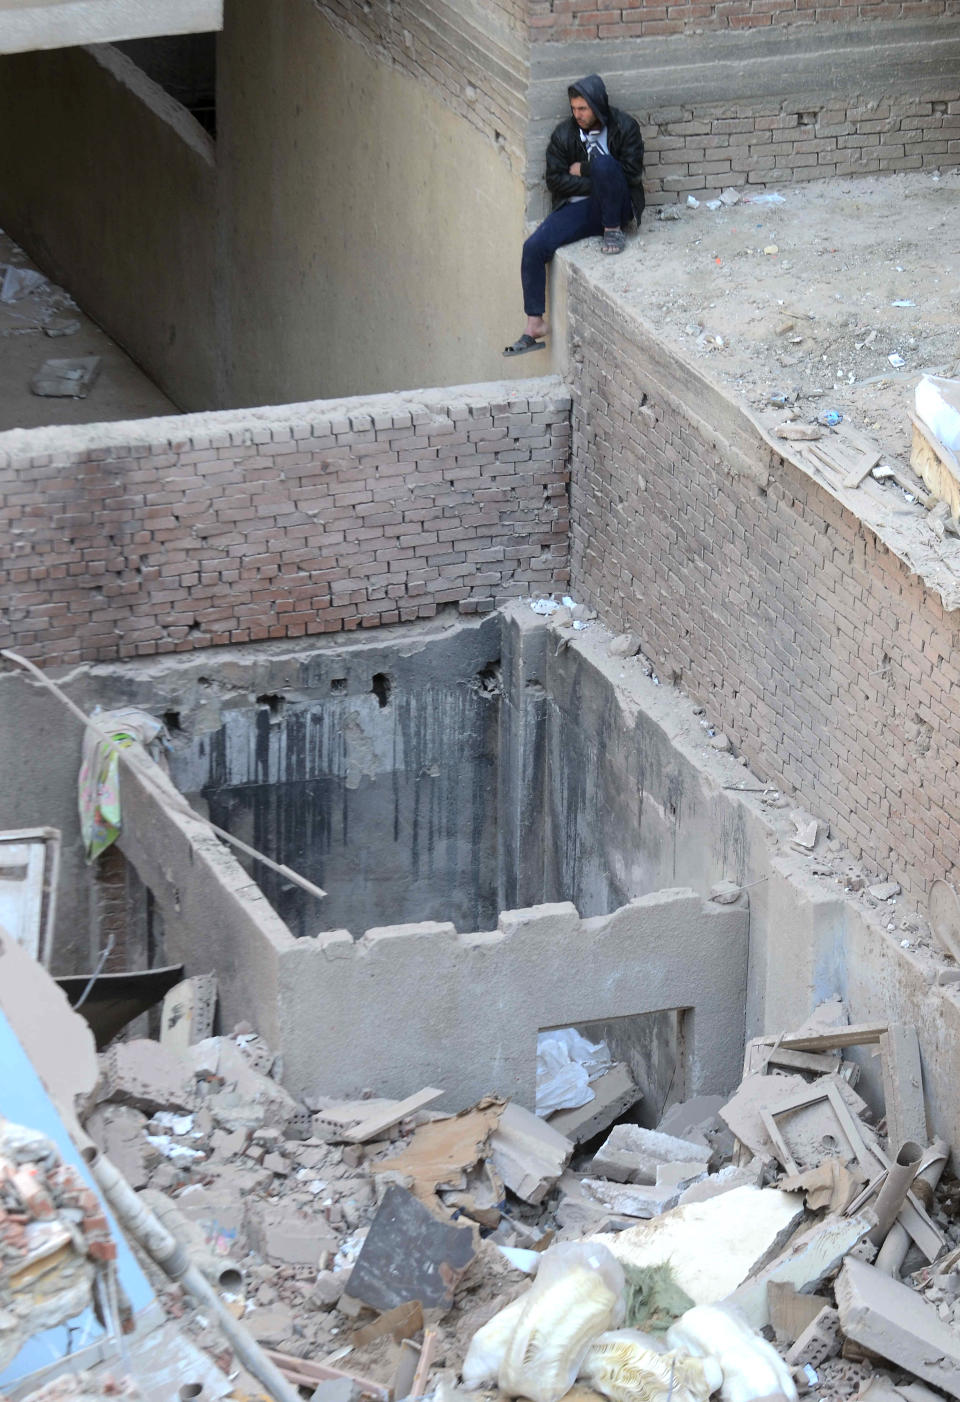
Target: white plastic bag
x=489 y=1344
x=751 y=1367
x=577 y=1295
x=566 y=1064
x=938 y=405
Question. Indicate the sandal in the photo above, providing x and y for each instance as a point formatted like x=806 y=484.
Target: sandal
x=614 y=241
x=523 y=344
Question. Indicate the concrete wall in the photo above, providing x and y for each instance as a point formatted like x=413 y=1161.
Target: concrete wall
x=371 y=218
x=556 y=21
x=124 y=540
x=110 y=185
x=484 y=996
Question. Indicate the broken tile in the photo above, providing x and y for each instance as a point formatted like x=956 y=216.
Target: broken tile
x=409 y=1254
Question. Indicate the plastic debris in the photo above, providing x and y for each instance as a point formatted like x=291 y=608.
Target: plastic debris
x=544 y=606
x=830 y=418
x=566 y=1064
x=897 y=361
x=692 y=202
x=19 y=282
x=903 y=302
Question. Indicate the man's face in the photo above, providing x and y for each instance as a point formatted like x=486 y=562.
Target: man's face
x=583 y=114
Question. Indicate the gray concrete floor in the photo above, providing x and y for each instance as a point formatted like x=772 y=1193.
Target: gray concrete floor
x=122 y=391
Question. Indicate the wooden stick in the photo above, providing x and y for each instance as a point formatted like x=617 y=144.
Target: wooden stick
x=426 y=1360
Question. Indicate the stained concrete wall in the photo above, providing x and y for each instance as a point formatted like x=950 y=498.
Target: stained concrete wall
x=371 y=770
x=110 y=185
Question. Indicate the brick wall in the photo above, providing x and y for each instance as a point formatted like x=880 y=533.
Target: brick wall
x=478 y=69
x=173 y=534
x=827 y=662
x=559 y=20
x=695 y=150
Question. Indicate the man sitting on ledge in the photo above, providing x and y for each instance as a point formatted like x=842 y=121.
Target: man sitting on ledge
x=594 y=173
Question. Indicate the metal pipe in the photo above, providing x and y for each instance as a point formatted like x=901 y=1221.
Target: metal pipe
x=170 y=1256
x=894 y=1250
x=896 y=1185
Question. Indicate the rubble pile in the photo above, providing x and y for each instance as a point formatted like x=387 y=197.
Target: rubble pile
x=775 y=1242
x=54 y=1239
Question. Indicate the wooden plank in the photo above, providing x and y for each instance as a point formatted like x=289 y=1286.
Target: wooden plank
x=820 y=1062
x=858 y=1034
x=857 y=473
x=903 y=1086
x=426 y=1363
x=402 y=1322
x=386 y=1119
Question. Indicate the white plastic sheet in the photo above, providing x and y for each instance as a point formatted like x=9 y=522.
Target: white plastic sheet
x=566 y=1064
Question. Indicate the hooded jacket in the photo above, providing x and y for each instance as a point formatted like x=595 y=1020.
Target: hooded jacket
x=624 y=142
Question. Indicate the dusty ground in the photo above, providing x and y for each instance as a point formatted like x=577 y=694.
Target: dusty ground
x=817 y=315
x=122 y=391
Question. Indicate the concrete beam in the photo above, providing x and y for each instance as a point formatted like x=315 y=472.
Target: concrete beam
x=62 y=24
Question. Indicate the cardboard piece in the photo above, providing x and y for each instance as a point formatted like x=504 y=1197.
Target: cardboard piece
x=790 y=1312
x=409 y=1255
x=400 y=1323
x=892 y=1320
x=440 y=1153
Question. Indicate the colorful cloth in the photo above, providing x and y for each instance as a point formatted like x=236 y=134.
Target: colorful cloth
x=99 y=785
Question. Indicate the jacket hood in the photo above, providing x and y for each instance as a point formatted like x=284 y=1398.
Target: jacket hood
x=593 y=90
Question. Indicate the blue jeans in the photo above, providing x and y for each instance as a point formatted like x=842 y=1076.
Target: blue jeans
x=607 y=207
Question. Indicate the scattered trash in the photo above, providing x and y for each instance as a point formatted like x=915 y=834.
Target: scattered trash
x=61 y=326
x=765 y=197
x=544 y=607
x=830 y=418
x=897 y=361
x=566 y=1064
x=668 y=212
x=19 y=282
x=693 y=202
x=714 y=204
x=771 y=249
x=903 y=302
x=730 y=196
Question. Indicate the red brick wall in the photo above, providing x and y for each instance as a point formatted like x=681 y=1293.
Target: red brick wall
x=243 y=526
x=822 y=656
x=557 y=20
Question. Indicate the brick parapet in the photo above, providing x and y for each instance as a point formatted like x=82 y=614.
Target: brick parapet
x=702 y=150
x=809 y=642
x=174 y=534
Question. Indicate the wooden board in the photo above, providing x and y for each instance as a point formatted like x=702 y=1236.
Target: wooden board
x=385 y=1119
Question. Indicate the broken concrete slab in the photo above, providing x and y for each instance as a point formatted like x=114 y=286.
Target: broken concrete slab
x=66 y=379
x=680 y=1175
x=903 y=1086
x=409 y=1254
x=743 y=1226
x=223 y=1057
x=614 y=1093
x=633 y=1199
x=219 y=1212
x=147 y=1076
x=632 y=1154
x=528 y=1153
x=813 y=1256
x=285 y=1237
x=894 y=1321
x=691 y=1114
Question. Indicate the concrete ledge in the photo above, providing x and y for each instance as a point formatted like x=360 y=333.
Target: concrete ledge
x=62 y=24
